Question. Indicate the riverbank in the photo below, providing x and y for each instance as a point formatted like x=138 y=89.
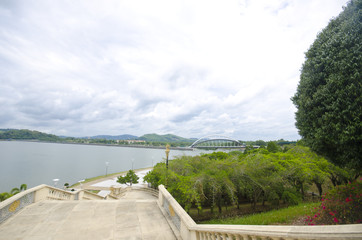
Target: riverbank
x=103 y=144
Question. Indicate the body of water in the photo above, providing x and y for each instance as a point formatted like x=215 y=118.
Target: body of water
x=35 y=163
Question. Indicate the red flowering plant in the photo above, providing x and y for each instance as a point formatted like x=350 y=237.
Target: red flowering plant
x=341 y=205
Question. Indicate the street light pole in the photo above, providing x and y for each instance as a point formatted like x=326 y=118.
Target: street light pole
x=167 y=153
x=56 y=180
x=107 y=164
x=80 y=182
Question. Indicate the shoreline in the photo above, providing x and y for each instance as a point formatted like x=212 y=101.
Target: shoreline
x=101 y=144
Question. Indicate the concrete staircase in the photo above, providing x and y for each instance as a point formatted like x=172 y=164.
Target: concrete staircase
x=135 y=216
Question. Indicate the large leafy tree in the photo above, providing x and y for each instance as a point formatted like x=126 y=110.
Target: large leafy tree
x=329 y=95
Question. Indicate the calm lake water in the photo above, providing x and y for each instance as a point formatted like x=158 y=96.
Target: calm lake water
x=35 y=163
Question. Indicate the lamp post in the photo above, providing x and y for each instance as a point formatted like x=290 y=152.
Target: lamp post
x=167 y=153
x=107 y=164
x=55 y=180
x=80 y=182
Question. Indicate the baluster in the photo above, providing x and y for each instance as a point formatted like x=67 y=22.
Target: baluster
x=230 y=236
x=200 y=235
x=263 y=238
x=218 y=236
x=238 y=237
x=212 y=236
x=208 y=236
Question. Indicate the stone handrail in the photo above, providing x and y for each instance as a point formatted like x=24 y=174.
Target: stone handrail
x=151 y=191
x=119 y=191
x=351 y=231
x=86 y=195
x=39 y=193
x=187 y=229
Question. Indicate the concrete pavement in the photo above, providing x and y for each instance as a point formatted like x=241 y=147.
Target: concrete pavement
x=136 y=216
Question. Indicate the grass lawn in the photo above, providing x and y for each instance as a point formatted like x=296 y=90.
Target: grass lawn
x=282 y=216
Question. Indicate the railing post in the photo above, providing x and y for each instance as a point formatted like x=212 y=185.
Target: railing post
x=160 y=198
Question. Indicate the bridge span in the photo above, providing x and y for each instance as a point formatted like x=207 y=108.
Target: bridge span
x=217 y=141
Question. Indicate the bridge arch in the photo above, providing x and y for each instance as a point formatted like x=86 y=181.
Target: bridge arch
x=216 y=141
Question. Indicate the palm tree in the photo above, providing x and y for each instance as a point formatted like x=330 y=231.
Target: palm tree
x=23 y=187
x=4 y=196
x=14 y=191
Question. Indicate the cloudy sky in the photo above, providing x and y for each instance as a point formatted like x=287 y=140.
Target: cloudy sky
x=185 y=67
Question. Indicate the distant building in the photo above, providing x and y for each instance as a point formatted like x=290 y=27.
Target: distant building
x=135 y=141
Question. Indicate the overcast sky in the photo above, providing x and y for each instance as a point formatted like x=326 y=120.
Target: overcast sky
x=188 y=67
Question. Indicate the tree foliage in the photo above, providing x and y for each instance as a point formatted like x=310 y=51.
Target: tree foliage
x=329 y=95
x=273 y=147
x=222 y=179
x=130 y=178
x=25 y=134
x=14 y=191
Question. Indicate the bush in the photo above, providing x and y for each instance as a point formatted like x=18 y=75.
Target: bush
x=341 y=205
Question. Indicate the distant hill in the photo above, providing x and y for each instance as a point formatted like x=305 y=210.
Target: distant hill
x=25 y=134
x=163 y=138
x=119 y=137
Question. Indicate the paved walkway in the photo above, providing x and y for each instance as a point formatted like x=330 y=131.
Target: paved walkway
x=107 y=182
x=136 y=216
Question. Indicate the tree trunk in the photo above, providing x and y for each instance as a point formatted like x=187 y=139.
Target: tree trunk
x=333 y=180
x=301 y=187
x=319 y=186
x=220 y=208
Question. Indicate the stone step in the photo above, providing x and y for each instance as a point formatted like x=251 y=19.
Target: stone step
x=95 y=219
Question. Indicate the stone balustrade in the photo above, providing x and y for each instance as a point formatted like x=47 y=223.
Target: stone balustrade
x=186 y=228
x=40 y=193
x=119 y=191
x=150 y=191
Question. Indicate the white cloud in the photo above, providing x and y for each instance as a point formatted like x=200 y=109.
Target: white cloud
x=190 y=68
